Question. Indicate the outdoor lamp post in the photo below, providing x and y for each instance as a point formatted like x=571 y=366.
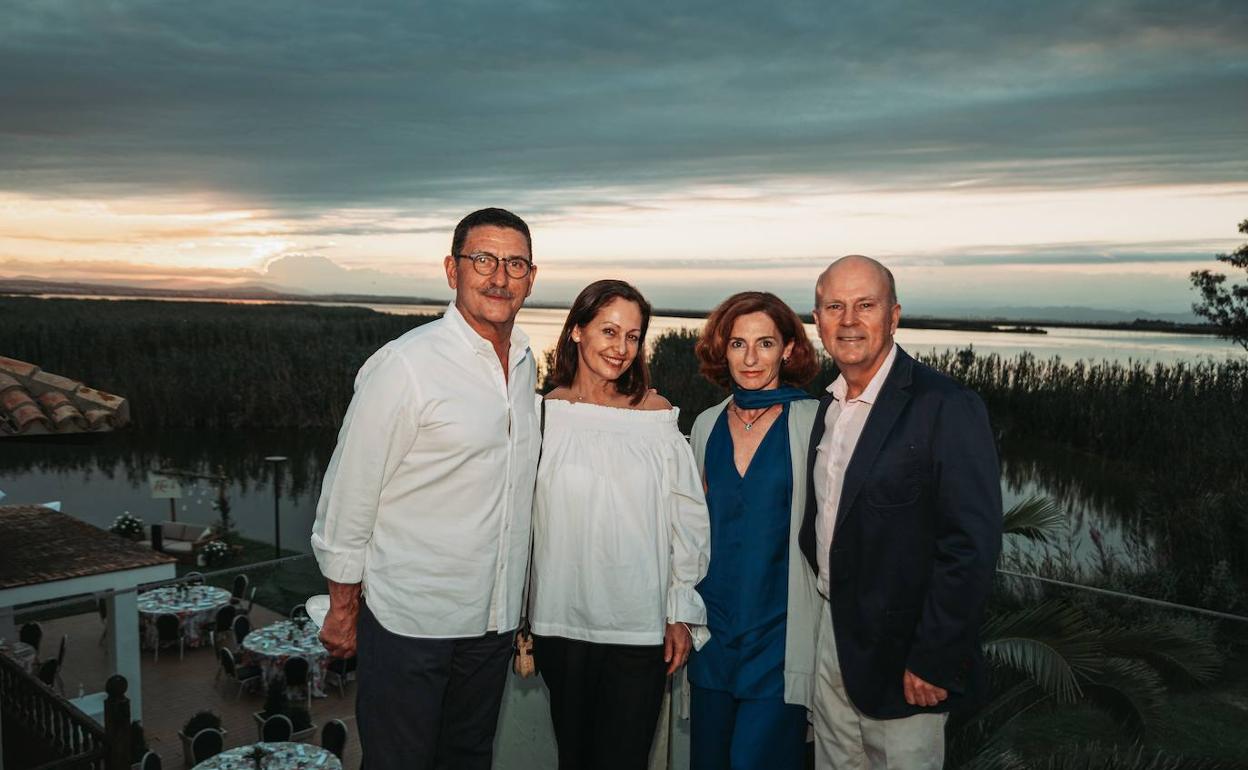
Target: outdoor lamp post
x=276 y=461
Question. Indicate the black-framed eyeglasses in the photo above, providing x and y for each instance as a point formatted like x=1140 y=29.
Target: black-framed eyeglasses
x=486 y=263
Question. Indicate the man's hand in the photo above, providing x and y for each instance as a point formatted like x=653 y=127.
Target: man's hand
x=677 y=641
x=920 y=693
x=338 y=631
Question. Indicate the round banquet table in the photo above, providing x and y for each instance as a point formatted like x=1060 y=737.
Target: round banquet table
x=269 y=647
x=196 y=607
x=23 y=653
x=277 y=756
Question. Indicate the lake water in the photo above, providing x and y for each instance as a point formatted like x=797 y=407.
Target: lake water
x=100 y=480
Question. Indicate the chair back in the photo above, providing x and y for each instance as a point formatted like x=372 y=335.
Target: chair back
x=168 y=627
x=277 y=728
x=227 y=660
x=31 y=633
x=241 y=627
x=151 y=761
x=47 y=671
x=193 y=578
x=334 y=737
x=296 y=671
x=298 y=611
x=239 y=590
x=251 y=599
x=60 y=655
x=207 y=743
x=101 y=608
x=225 y=618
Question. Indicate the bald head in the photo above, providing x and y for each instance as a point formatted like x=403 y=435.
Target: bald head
x=857 y=262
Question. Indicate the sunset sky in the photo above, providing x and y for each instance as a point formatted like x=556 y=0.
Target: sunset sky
x=995 y=154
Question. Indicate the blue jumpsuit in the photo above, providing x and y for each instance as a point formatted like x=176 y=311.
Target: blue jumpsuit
x=739 y=717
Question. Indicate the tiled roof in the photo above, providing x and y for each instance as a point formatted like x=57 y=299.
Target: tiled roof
x=40 y=545
x=34 y=402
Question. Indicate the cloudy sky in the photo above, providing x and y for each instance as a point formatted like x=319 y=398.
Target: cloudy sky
x=1023 y=154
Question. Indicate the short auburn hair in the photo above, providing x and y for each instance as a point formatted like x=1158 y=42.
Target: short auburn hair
x=635 y=380
x=712 y=347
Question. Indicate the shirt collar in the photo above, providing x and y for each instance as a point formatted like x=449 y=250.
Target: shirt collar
x=519 y=340
x=839 y=388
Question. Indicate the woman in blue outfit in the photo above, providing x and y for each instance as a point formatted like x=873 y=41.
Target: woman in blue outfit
x=752 y=682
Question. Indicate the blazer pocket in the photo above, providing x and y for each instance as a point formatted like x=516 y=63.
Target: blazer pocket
x=895 y=481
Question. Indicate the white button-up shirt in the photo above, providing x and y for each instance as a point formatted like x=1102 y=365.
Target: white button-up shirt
x=427 y=499
x=842 y=427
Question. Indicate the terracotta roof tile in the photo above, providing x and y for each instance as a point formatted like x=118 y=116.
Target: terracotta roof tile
x=41 y=545
x=34 y=402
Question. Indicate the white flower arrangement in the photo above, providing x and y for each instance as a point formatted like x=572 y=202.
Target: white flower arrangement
x=215 y=553
x=127 y=526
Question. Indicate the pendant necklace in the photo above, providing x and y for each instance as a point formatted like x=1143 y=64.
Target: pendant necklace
x=748 y=425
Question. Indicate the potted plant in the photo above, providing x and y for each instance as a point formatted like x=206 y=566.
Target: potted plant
x=276 y=702
x=215 y=554
x=127 y=526
x=200 y=721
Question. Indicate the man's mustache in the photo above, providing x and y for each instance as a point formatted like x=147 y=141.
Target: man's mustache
x=497 y=292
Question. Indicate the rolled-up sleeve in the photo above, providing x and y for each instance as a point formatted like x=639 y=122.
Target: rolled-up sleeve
x=378 y=430
x=691 y=543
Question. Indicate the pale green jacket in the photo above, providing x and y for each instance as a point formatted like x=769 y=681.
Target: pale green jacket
x=804 y=601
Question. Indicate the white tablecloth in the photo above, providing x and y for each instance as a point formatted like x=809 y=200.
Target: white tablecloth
x=269 y=647
x=23 y=653
x=196 y=607
x=276 y=756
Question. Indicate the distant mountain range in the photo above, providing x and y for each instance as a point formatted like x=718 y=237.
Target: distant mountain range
x=1050 y=314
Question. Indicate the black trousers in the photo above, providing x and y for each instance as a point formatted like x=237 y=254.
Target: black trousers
x=426 y=704
x=604 y=701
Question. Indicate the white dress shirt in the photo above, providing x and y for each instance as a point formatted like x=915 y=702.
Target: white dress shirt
x=842 y=426
x=428 y=495
x=621 y=530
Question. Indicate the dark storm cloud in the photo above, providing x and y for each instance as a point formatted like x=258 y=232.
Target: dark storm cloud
x=298 y=106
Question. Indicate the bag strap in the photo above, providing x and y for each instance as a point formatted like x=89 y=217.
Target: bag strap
x=525 y=627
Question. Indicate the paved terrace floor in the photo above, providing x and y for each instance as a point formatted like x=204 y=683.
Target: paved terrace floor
x=175 y=689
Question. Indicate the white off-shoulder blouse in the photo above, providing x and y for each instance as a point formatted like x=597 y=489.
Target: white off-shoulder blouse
x=621 y=532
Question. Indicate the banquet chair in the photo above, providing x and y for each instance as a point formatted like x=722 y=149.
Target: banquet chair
x=239 y=589
x=206 y=744
x=334 y=737
x=31 y=633
x=223 y=624
x=340 y=669
x=297 y=674
x=298 y=611
x=168 y=633
x=241 y=627
x=193 y=578
x=276 y=728
x=151 y=761
x=244 y=675
x=60 y=663
x=251 y=599
x=49 y=671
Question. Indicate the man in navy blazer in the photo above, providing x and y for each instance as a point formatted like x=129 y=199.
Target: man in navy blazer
x=903 y=529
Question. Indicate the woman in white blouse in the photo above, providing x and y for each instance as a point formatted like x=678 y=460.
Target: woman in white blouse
x=621 y=537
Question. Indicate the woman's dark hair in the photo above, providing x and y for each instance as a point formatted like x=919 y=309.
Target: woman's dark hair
x=635 y=380
x=712 y=347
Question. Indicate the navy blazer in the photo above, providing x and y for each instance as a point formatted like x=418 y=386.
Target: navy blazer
x=917 y=535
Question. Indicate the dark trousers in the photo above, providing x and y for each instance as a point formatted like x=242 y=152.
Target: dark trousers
x=729 y=733
x=426 y=704
x=604 y=701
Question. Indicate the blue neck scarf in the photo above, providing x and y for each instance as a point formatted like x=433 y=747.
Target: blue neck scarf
x=761 y=399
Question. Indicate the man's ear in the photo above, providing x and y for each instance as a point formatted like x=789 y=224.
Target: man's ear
x=452 y=274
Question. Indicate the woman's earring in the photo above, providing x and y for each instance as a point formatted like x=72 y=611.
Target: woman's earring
x=784 y=360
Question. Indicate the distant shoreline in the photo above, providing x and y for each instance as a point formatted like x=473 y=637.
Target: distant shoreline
x=28 y=288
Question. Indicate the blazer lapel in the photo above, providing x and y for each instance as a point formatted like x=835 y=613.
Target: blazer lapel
x=892 y=399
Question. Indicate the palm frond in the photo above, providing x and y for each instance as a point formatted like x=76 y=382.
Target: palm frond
x=968 y=739
x=1096 y=757
x=1053 y=644
x=1130 y=691
x=1179 y=649
x=1037 y=518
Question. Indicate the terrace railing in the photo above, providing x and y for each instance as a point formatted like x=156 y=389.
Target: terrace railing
x=46 y=732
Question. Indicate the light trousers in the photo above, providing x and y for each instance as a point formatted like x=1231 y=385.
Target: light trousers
x=846 y=739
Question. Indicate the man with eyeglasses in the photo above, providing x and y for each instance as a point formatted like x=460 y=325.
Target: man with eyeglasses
x=422 y=528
